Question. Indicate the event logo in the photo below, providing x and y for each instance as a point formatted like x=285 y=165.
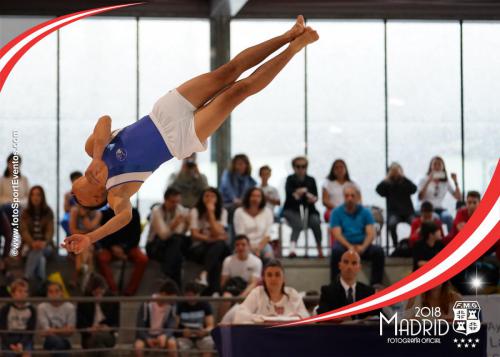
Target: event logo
x=121 y=154
x=428 y=324
x=466 y=319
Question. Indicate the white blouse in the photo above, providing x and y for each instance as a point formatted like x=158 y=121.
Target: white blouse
x=258 y=305
x=255 y=228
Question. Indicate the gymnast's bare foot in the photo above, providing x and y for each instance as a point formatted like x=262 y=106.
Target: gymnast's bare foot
x=297 y=29
x=308 y=36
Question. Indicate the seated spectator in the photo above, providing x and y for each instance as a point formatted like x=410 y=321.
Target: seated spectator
x=434 y=186
x=397 y=189
x=209 y=238
x=189 y=181
x=56 y=320
x=19 y=318
x=122 y=245
x=235 y=182
x=99 y=319
x=429 y=244
x=13 y=167
x=346 y=289
x=254 y=220
x=156 y=321
x=442 y=296
x=270 y=192
x=463 y=215
x=352 y=227
x=301 y=196
x=81 y=221
x=240 y=272
x=271 y=300
x=167 y=236
x=196 y=320
x=333 y=187
x=69 y=201
x=426 y=215
x=37 y=231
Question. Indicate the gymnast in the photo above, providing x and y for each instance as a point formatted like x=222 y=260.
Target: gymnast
x=179 y=124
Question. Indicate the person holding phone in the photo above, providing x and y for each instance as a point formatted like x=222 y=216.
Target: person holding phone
x=434 y=186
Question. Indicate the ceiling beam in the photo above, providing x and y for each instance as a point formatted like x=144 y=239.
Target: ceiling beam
x=228 y=8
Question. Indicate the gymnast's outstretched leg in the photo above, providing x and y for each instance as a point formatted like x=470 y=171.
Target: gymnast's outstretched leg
x=201 y=89
x=209 y=118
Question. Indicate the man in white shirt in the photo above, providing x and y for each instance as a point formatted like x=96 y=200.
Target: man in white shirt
x=240 y=272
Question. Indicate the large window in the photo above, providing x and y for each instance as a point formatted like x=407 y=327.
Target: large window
x=165 y=62
x=481 y=43
x=346 y=102
x=28 y=105
x=269 y=127
x=423 y=78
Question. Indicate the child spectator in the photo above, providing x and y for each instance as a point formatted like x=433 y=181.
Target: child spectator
x=69 y=202
x=428 y=246
x=270 y=192
x=196 y=320
x=426 y=215
x=156 y=321
x=463 y=215
x=57 y=320
x=15 y=317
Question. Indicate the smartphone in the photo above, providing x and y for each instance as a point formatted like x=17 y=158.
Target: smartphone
x=438 y=175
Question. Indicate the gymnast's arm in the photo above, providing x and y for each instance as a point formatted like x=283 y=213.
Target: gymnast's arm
x=77 y=243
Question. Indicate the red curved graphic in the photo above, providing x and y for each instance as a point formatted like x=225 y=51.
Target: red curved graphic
x=61 y=21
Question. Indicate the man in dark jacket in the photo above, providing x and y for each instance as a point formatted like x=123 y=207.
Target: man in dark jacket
x=397 y=190
x=17 y=316
x=346 y=289
x=122 y=245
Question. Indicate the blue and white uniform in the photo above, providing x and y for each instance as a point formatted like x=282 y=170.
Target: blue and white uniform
x=137 y=150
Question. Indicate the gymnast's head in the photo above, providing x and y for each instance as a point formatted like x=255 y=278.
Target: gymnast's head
x=89 y=195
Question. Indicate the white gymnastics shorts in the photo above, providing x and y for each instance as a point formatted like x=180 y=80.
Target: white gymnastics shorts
x=173 y=115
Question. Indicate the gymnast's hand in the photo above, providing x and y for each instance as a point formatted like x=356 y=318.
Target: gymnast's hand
x=97 y=172
x=76 y=243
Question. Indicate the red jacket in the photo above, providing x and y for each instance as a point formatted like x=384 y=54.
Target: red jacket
x=461 y=217
x=415 y=229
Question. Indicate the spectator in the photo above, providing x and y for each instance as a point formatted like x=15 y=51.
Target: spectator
x=397 y=189
x=81 y=221
x=240 y=272
x=433 y=188
x=429 y=244
x=122 y=245
x=254 y=220
x=156 y=321
x=463 y=215
x=56 y=320
x=235 y=182
x=12 y=171
x=352 y=227
x=37 y=231
x=69 y=201
x=19 y=318
x=167 y=237
x=209 y=237
x=346 y=289
x=301 y=195
x=426 y=215
x=189 y=181
x=271 y=301
x=442 y=296
x=333 y=187
x=196 y=320
x=270 y=192
x=99 y=319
